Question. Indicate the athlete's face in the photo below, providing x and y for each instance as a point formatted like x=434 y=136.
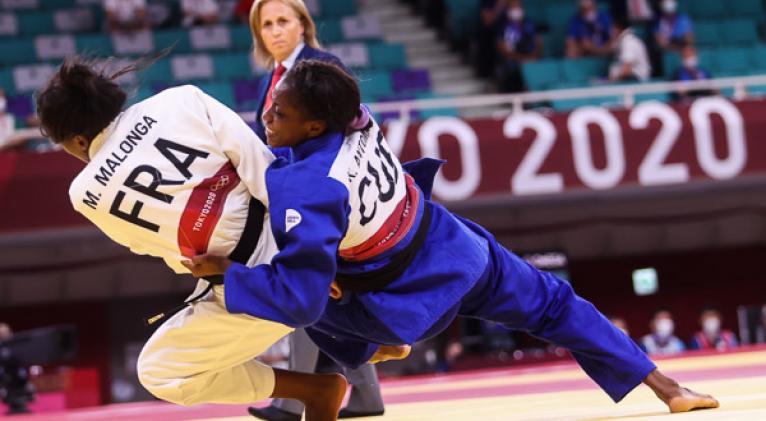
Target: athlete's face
x=281 y=29
x=77 y=146
x=286 y=122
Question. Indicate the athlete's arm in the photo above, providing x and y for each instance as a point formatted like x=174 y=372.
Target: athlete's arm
x=246 y=151
x=308 y=220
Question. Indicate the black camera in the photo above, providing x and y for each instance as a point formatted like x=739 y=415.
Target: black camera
x=27 y=348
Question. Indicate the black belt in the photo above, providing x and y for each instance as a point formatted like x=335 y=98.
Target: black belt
x=241 y=254
x=378 y=279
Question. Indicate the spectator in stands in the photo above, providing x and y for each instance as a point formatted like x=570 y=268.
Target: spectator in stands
x=590 y=32
x=126 y=15
x=490 y=19
x=631 y=60
x=673 y=30
x=712 y=336
x=661 y=341
x=200 y=12
x=688 y=71
x=518 y=41
x=284 y=34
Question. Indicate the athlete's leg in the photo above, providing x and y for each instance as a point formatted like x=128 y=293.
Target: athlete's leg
x=204 y=354
x=522 y=297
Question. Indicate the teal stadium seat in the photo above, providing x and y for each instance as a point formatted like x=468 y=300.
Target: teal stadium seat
x=241 y=38
x=535 y=10
x=733 y=61
x=337 y=8
x=739 y=32
x=17 y=51
x=375 y=84
x=758 y=58
x=559 y=14
x=746 y=8
x=462 y=18
x=6 y=81
x=387 y=56
x=707 y=59
x=231 y=66
x=94 y=44
x=329 y=31
x=35 y=23
x=222 y=91
x=584 y=70
x=708 y=9
x=168 y=37
x=707 y=34
x=157 y=72
x=539 y=75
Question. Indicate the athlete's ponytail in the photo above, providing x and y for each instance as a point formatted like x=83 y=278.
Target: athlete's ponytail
x=81 y=99
x=325 y=92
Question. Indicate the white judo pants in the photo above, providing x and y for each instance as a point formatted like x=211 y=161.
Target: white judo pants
x=204 y=354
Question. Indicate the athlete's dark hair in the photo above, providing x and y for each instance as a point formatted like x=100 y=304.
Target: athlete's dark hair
x=325 y=92
x=81 y=99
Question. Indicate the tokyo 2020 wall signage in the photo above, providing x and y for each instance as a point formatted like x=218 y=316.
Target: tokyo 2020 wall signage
x=651 y=144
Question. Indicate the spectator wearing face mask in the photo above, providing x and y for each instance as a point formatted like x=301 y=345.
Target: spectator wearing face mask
x=673 y=30
x=712 y=336
x=661 y=341
x=688 y=71
x=590 y=32
x=517 y=43
x=631 y=60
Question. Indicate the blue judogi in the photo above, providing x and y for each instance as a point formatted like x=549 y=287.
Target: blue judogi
x=459 y=270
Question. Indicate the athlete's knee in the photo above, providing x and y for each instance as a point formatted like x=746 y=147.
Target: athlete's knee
x=158 y=381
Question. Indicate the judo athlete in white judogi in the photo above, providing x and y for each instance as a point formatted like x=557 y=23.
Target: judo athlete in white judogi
x=173 y=176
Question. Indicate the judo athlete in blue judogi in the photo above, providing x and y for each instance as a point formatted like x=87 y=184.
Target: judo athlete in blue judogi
x=347 y=216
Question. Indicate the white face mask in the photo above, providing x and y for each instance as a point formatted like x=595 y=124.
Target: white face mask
x=3 y=104
x=516 y=14
x=669 y=6
x=691 y=62
x=711 y=326
x=664 y=328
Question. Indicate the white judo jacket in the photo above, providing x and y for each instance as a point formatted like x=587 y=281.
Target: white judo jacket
x=172 y=177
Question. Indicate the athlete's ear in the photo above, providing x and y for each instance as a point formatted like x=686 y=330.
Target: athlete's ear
x=316 y=128
x=82 y=146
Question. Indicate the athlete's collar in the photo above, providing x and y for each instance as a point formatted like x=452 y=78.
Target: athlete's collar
x=98 y=141
x=308 y=147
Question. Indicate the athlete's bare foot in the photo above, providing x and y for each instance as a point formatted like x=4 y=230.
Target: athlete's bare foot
x=322 y=394
x=677 y=398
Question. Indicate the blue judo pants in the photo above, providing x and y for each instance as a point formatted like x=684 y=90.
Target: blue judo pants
x=521 y=297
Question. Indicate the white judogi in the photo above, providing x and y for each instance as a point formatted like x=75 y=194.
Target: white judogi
x=172 y=177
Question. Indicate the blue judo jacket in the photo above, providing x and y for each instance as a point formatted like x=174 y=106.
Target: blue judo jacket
x=310 y=216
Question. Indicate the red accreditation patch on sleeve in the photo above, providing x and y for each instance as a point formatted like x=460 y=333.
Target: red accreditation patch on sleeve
x=203 y=210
